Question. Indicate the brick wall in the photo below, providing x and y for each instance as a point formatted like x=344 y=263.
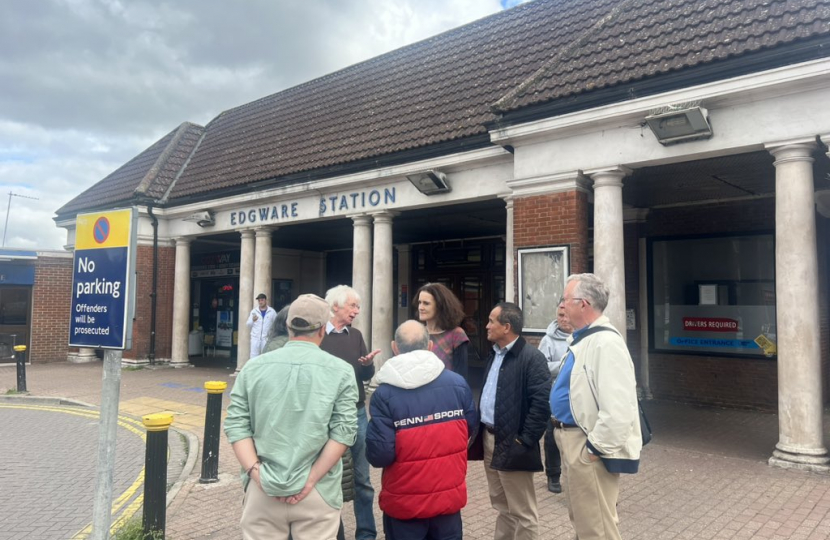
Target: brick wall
x=553 y=220
x=556 y=219
x=51 y=307
x=734 y=382
x=164 y=308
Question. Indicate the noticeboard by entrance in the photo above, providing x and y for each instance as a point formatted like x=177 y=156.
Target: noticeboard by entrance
x=102 y=272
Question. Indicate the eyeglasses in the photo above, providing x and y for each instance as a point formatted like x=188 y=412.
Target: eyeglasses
x=564 y=299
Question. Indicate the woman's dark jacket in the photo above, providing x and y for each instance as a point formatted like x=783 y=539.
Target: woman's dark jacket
x=522 y=408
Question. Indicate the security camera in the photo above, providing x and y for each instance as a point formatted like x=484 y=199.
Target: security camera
x=202 y=219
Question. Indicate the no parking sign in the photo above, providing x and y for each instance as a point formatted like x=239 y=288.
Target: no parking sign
x=103 y=269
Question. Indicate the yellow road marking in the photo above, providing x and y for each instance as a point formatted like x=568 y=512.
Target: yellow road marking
x=126 y=423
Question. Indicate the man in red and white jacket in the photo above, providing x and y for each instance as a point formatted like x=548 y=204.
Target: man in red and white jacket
x=422 y=420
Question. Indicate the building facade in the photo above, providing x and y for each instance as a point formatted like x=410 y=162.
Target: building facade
x=677 y=149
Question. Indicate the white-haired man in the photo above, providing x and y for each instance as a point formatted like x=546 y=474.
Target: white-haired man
x=347 y=343
x=595 y=412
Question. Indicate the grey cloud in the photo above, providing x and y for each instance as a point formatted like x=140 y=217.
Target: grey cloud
x=88 y=84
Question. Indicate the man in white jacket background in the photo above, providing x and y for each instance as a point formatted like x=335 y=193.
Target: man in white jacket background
x=260 y=321
x=554 y=346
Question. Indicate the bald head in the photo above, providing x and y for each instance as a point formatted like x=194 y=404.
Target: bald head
x=411 y=336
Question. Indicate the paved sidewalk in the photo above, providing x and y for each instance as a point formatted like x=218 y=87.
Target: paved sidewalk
x=703 y=477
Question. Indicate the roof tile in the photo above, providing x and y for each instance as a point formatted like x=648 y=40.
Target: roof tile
x=150 y=173
x=447 y=87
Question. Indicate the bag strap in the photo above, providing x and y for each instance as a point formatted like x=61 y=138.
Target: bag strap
x=592 y=331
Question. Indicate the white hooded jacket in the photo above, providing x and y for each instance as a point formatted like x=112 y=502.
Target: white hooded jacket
x=411 y=370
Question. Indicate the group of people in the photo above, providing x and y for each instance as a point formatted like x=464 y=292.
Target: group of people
x=299 y=407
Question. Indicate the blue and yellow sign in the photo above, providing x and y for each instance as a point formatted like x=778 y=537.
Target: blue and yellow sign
x=103 y=266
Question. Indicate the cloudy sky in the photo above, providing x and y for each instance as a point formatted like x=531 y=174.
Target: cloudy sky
x=85 y=85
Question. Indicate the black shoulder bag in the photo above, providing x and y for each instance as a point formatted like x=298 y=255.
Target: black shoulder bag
x=645 y=427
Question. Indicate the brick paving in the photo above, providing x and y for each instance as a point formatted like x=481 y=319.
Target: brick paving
x=48 y=469
x=703 y=477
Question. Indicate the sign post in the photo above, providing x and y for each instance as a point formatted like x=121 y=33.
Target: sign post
x=102 y=308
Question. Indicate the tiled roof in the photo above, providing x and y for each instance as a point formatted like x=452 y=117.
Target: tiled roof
x=149 y=174
x=650 y=38
x=445 y=89
x=437 y=90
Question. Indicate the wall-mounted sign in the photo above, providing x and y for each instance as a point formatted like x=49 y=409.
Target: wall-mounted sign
x=713 y=342
x=16 y=274
x=328 y=205
x=357 y=200
x=709 y=324
x=103 y=268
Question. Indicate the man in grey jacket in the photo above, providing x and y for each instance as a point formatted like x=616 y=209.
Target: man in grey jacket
x=595 y=415
x=554 y=346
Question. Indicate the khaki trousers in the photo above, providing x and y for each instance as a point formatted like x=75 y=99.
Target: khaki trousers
x=591 y=491
x=513 y=495
x=266 y=517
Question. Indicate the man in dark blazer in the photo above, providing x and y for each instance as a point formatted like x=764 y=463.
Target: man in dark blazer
x=514 y=414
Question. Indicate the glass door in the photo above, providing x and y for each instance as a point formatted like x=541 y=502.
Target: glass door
x=15 y=309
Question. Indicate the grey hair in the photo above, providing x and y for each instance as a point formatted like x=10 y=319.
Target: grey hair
x=339 y=295
x=591 y=288
x=412 y=341
x=280 y=328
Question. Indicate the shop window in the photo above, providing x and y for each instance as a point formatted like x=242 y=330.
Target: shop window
x=15 y=307
x=713 y=296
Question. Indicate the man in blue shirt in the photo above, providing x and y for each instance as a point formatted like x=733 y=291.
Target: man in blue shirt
x=595 y=412
x=514 y=414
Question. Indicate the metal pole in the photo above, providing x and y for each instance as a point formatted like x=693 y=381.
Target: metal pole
x=6 y=226
x=154 y=520
x=213 y=421
x=110 y=392
x=20 y=357
x=8 y=212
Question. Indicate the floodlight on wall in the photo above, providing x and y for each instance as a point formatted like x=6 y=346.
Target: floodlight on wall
x=676 y=124
x=430 y=182
x=202 y=219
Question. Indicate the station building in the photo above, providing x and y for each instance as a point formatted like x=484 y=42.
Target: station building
x=677 y=148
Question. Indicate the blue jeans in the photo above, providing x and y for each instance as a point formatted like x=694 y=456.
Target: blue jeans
x=364 y=501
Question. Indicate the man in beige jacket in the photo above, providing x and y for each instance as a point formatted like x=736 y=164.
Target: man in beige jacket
x=595 y=413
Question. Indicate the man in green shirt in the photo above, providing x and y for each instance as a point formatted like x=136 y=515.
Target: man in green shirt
x=290 y=419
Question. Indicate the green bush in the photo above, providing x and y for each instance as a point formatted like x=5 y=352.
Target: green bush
x=133 y=530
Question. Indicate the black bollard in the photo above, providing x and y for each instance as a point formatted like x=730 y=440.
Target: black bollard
x=213 y=424
x=155 y=475
x=20 y=357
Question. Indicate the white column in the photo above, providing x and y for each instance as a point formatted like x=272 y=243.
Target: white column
x=383 y=298
x=509 y=286
x=246 y=297
x=181 y=304
x=800 y=439
x=84 y=355
x=404 y=271
x=262 y=268
x=609 y=262
x=362 y=273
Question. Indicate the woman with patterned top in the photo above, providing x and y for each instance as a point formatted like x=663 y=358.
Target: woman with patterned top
x=442 y=313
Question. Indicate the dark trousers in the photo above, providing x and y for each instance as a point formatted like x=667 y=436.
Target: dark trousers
x=446 y=527
x=553 y=460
